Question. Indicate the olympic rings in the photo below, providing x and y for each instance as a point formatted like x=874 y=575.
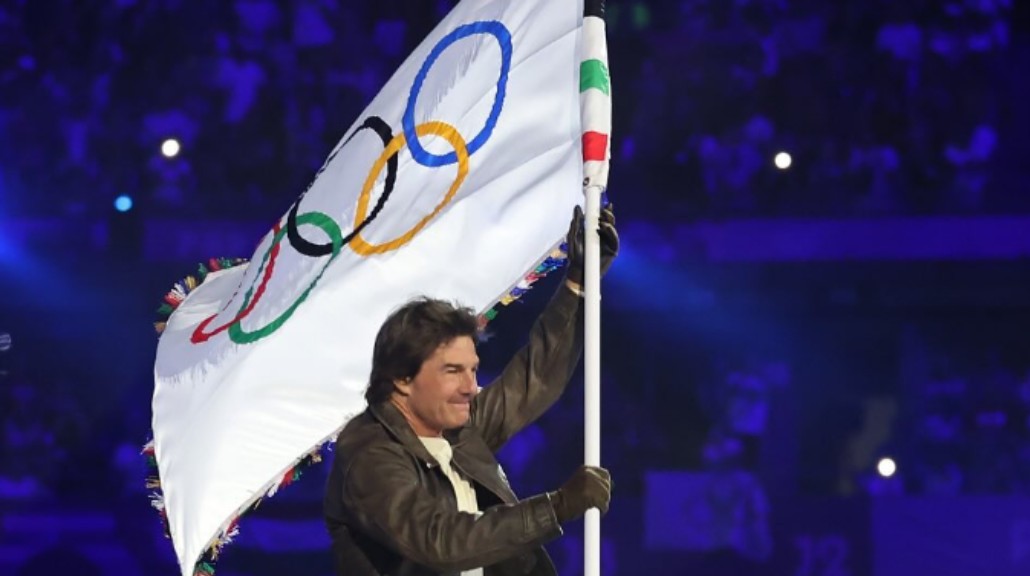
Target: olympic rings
x=201 y=335
x=240 y=336
x=445 y=131
x=303 y=246
x=503 y=36
x=392 y=145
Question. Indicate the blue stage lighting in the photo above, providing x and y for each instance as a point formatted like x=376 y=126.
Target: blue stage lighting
x=123 y=203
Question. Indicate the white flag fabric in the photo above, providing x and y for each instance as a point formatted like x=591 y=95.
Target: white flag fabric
x=456 y=182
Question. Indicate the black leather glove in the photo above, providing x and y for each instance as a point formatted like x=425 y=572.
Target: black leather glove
x=589 y=487
x=576 y=243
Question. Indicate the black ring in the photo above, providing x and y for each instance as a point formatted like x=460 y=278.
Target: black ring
x=307 y=248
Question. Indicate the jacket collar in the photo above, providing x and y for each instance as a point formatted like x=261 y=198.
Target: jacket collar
x=391 y=418
x=397 y=426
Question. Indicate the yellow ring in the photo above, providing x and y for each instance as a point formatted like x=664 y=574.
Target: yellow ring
x=445 y=131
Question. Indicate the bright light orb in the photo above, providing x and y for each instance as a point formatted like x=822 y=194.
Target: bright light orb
x=886 y=467
x=170 y=148
x=123 y=203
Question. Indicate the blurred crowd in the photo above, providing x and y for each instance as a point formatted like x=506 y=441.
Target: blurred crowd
x=255 y=91
x=967 y=423
x=883 y=107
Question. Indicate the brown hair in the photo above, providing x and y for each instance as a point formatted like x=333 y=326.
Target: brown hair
x=409 y=336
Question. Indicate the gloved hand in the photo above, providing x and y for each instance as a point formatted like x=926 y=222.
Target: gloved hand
x=589 y=487
x=577 y=244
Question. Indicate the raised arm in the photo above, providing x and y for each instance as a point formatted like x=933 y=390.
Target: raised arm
x=536 y=377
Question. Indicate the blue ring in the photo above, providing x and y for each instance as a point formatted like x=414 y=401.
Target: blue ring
x=420 y=154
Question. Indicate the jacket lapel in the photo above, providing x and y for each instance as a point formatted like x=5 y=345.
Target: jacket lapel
x=392 y=419
x=471 y=454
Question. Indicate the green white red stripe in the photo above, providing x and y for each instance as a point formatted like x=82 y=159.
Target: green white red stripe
x=595 y=92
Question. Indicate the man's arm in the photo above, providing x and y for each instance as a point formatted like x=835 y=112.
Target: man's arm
x=536 y=377
x=382 y=490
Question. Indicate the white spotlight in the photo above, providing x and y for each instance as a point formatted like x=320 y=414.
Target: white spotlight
x=886 y=467
x=783 y=160
x=170 y=148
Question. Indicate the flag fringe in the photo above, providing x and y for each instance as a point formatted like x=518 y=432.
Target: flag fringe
x=554 y=259
x=206 y=565
x=181 y=289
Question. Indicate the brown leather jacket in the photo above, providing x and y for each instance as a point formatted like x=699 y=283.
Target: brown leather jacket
x=390 y=510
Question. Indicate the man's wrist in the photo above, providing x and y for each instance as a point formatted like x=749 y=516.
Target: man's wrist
x=557 y=501
x=575 y=287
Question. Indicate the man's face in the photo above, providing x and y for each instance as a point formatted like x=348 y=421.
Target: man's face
x=440 y=396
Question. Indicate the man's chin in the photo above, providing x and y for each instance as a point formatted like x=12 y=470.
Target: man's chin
x=459 y=422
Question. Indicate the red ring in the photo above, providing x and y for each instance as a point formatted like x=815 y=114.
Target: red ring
x=199 y=335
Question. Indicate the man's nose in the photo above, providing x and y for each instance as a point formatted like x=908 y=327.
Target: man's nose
x=469 y=384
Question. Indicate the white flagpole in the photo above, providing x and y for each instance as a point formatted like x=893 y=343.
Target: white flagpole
x=592 y=371
x=596 y=113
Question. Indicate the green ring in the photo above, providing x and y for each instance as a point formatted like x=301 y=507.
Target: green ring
x=236 y=332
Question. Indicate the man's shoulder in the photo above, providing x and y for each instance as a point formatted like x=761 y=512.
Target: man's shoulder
x=365 y=437
x=360 y=434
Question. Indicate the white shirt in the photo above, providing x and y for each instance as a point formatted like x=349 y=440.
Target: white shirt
x=464 y=493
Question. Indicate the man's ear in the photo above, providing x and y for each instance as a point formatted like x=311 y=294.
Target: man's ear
x=402 y=386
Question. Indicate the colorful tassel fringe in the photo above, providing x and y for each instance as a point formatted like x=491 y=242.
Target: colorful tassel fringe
x=181 y=289
x=556 y=259
x=206 y=565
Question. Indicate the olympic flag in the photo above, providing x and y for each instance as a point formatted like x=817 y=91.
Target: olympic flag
x=457 y=182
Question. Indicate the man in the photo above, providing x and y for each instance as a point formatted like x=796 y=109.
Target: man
x=415 y=488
